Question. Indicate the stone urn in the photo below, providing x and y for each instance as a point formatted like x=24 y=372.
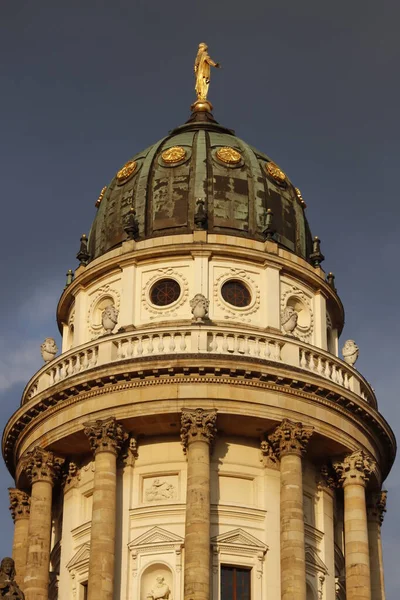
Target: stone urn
x=109 y=318
x=350 y=352
x=199 y=305
x=48 y=349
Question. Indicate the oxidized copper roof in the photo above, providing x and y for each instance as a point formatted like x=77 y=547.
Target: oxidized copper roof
x=201 y=175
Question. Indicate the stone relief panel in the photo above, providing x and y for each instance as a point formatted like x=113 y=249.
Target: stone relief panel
x=179 y=307
x=294 y=298
x=222 y=309
x=99 y=299
x=163 y=488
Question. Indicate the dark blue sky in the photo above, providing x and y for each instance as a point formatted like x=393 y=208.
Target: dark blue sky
x=85 y=85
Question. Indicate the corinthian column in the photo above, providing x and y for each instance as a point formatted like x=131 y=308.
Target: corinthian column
x=20 y=507
x=106 y=439
x=354 y=473
x=289 y=441
x=197 y=434
x=42 y=469
x=376 y=507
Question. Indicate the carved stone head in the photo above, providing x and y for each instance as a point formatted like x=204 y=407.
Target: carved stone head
x=109 y=318
x=289 y=319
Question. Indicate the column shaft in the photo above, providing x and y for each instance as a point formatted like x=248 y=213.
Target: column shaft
x=20 y=548
x=358 y=583
x=102 y=540
x=197 y=529
x=293 y=568
x=39 y=534
x=376 y=561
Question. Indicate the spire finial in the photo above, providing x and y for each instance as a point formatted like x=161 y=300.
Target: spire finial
x=83 y=255
x=269 y=230
x=202 y=73
x=316 y=255
x=70 y=278
x=131 y=225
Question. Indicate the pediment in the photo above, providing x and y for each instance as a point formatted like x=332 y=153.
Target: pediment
x=314 y=561
x=156 y=536
x=80 y=558
x=240 y=538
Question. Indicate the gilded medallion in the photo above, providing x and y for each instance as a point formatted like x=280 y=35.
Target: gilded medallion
x=100 y=198
x=300 y=198
x=127 y=170
x=173 y=155
x=228 y=155
x=275 y=172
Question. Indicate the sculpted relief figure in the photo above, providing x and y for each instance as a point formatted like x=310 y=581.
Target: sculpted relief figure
x=160 y=490
x=48 y=349
x=289 y=319
x=350 y=352
x=160 y=591
x=202 y=71
x=8 y=586
x=109 y=318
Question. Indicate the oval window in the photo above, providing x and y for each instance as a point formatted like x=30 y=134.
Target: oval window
x=164 y=292
x=236 y=293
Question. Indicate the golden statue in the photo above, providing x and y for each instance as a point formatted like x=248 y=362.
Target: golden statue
x=202 y=70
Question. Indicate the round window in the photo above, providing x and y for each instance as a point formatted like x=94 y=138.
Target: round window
x=236 y=293
x=164 y=292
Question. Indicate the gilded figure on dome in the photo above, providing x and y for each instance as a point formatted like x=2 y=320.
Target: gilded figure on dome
x=202 y=71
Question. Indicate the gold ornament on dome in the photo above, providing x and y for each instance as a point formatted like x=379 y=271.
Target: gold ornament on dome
x=228 y=155
x=275 y=172
x=300 y=198
x=173 y=155
x=100 y=198
x=127 y=170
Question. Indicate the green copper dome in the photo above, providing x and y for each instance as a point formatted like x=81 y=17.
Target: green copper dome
x=200 y=176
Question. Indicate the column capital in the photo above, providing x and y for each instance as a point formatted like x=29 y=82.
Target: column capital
x=41 y=465
x=105 y=435
x=20 y=504
x=327 y=478
x=355 y=468
x=129 y=452
x=290 y=438
x=376 y=506
x=71 y=476
x=198 y=425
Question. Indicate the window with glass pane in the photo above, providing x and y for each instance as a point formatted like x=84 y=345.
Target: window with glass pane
x=235 y=583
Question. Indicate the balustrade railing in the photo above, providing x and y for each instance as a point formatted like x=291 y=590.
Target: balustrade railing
x=197 y=339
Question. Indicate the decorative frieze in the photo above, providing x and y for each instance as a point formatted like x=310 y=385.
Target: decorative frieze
x=105 y=435
x=41 y=465
x=20 y=504
x=376 y=506
x=356 y=468
x=198 y=425
x=290 y=438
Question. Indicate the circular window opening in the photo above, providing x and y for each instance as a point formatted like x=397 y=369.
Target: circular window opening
x=165 y=292
x=236 y=293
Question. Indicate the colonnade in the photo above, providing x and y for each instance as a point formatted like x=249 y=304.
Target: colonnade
x=286 y=445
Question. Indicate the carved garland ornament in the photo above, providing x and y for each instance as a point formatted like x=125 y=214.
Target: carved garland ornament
x=169 y=309
x=96 y=327
x=303 y=330
x=238 y=313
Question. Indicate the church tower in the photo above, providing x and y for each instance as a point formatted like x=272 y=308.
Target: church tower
x=199 y=436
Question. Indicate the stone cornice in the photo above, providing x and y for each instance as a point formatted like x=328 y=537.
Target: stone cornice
x=290 y=438
x=105 y=435
x=41 y=465
x=198 y=425
x=356 y=468
x=266 y=375
x=20 y=504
